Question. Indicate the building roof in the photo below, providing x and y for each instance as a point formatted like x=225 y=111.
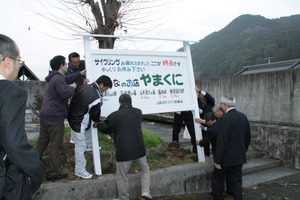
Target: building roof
x=269 y=67
x=25 y=72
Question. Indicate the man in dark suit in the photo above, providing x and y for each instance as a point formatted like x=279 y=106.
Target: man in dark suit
x=232 y=144
x=212 y=132
x=21 y=169
x=205 y=104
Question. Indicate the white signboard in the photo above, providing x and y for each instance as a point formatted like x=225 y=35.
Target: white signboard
x=156 y=81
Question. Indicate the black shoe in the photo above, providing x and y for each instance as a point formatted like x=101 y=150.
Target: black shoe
x=229 y=193
x=58 y=177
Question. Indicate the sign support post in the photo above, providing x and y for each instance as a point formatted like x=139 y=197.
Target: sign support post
x=195 y=111
x=95 y=139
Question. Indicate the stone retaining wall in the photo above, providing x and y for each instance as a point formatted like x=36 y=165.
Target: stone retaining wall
x=282 y=142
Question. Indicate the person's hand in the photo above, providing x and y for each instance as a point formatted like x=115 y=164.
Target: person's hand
x=86 y=80
x=83 y=72
x=217 y=166
x=202 y=127
x=73 y=85
x=198 y=141
x=198 y=120
x=95 y=124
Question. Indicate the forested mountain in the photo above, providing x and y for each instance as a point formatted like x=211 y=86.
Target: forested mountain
x=247 y=40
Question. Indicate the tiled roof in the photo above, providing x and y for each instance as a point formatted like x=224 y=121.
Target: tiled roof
x=26 y=72
x=268 y=67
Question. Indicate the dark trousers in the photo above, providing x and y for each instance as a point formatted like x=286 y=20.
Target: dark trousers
x=53 y=133
x=206 y=146
x=187 y=118
x=234 y=176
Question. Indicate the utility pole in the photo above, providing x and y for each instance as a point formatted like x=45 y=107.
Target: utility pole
x=269 y=59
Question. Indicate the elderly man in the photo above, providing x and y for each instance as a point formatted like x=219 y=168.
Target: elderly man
x=217 y=110
x=232 y=144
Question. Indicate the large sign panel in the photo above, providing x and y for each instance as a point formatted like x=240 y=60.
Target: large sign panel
x=157 y=81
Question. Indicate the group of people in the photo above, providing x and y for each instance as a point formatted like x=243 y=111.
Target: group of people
x=22 y=167
x=228 y=131
x=84 y=109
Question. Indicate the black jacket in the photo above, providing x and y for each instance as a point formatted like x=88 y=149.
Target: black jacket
x=206 y=108
x=72 y=70
x=233 y=139
x=23 y=158
x=85 y=106
x=125 y=124
x=211 y=137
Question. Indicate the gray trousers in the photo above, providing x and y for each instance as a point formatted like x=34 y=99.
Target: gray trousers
x=122 y=178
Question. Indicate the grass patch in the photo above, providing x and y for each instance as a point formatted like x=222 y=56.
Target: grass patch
x=106 y=142
x=151 y=140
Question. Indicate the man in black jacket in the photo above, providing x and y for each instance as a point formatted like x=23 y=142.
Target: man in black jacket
x=125 y=125
x=76 y=65
x=205 y=103
x=85 y=107
x=21 y=169
x=232 y=144
x=212 y=132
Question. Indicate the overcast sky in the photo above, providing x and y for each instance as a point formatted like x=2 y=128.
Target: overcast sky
x=187 y=20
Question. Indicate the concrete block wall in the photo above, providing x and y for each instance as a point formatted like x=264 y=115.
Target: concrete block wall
x=32 y=87
x=271 y=97
x=282 y=142
x=271 y=102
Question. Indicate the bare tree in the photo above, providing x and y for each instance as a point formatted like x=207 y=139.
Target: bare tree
x=104 y=17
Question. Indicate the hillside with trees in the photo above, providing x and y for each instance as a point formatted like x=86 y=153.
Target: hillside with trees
x=247 y=40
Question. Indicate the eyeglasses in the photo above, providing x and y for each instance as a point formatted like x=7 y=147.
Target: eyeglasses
x=20 y=61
